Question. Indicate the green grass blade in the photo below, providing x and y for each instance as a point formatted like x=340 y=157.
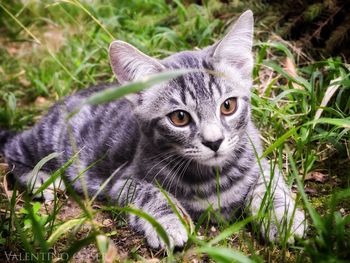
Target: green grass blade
x=77 y=198
x=224 y=254
x=229 y=231
x=345 y=123
x=76 y=246
x=297 y=79
x=37 y=168
x=278 y=46
x=186 y=222
x=157 y=227
x=313 y=214
x=279 y=141
x=38 y=230
x=20 y=24
x=204 y=216
x=98 y=22
x=106 y=182
x=133 y=87
x=217 y=173
x=62 y=229
x=56 y=174
x=17 y=223
x=107 y=249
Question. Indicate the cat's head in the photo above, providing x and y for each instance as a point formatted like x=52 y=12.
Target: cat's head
x=199 y=115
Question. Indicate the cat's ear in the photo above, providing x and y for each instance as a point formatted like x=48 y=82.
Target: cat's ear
x=235 y=49
x=129 y=63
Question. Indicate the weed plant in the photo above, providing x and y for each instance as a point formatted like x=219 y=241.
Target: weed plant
x=50 y=49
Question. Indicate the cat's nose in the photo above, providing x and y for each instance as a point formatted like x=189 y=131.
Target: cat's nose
x=213 y=145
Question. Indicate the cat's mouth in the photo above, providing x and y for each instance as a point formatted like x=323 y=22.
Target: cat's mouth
x=216 y=160
x=207 y=157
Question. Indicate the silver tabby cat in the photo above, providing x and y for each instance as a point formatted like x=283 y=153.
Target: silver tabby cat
x=178 y=134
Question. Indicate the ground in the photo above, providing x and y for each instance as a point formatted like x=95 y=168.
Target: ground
x=129 y=245
x=300 y=102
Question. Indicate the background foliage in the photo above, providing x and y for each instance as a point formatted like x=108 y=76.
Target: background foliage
x=50 y=49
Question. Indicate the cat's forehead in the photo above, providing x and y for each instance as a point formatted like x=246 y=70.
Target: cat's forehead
x=186 y=59
x=211 y=83
x=193 y=86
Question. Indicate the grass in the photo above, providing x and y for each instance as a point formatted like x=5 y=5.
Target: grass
x=50 y=49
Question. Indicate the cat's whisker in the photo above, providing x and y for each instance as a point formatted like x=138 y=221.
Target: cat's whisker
x=178 y=173
x=197 y=168
x=166 y=157
x=168 y=176
x=182 y=174
x=165 y=166
x=159 y=155
x=175 y=175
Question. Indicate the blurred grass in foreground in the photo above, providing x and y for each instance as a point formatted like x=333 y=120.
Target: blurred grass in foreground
x=301 y=106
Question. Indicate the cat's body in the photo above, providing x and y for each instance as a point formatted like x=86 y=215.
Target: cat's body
x=137 y=140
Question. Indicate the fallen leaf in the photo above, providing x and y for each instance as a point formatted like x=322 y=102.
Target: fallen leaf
x=41 y=101
x=310 y=191
x=152 y=260
x=4 y=168
x=332 y=88
x=316 y=177
x=24 y=81
x=108 y=250
x=107 y=222
x=266 y=78
x=53 y=38
x=290 y=68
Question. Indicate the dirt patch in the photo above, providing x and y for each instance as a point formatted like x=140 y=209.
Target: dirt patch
x=127 y=243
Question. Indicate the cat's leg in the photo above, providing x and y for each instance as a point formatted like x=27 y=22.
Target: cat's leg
x=150 y=199
x=24 y=151
x=284 y=215
x=32 y=181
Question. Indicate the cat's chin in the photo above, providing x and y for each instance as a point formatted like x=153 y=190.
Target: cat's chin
x=215 y=161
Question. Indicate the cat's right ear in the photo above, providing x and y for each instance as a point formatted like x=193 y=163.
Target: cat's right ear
x=129 y=63
x=235 y=49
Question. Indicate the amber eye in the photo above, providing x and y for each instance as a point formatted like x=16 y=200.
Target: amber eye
x=229 y=106
x=180 y=118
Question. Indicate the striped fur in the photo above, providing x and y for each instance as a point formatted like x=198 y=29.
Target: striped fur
x=133 y=140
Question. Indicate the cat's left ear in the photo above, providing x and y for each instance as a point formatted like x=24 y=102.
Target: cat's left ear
x=129 y=63
x=235 y=49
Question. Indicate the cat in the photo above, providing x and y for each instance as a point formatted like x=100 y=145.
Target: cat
x=178 y=135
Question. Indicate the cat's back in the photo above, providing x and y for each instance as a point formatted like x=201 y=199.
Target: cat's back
x=108 y=130
x=105 y=131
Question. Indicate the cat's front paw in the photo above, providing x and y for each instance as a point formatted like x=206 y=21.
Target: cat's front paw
x=299 y=225
x=35 y=181
x=276 y=228
x=176 y=232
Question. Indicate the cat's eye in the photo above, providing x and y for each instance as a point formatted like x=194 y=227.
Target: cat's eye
x=180 y=118
x=229 y=106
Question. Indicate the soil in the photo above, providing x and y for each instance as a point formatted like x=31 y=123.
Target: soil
x=129 y=245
